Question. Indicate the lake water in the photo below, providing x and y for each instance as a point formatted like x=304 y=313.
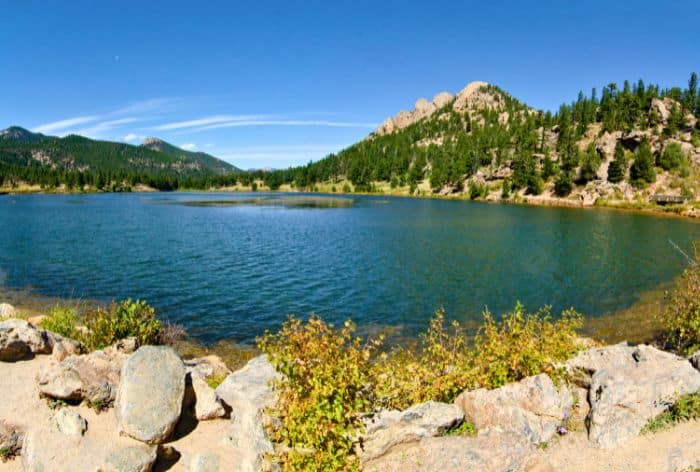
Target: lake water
x=231 y=266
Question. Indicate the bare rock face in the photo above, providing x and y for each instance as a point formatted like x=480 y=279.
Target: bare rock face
x=7 y=311
x=628 y=386
x=422 y=109
x=492 y=451
x=93 y=377
x=19 y=339
x=532 y=408
x=248 y=393
x=150 y=394
x=473 y=97
x=389 y=428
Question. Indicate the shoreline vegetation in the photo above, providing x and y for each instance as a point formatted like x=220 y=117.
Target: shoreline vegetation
x=330 y=382
x=689 y=210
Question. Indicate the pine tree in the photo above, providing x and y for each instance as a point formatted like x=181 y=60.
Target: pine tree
x=548 y=168
x=618 y=166
x=642 y=170
x=564 y=184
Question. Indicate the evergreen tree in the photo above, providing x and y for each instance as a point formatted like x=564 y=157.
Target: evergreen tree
x=618 y=166
x=564 y=184
x=589 y=164
x=642 y=170
x=548 y=167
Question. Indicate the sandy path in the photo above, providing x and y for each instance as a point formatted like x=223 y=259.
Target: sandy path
x=671 y=450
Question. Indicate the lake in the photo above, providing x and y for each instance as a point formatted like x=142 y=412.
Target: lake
x=232 y=265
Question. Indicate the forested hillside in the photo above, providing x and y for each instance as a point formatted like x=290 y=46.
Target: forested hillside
x=619 y=144
x=77 y=162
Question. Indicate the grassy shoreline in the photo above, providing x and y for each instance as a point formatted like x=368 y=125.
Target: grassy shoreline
x=688 y=211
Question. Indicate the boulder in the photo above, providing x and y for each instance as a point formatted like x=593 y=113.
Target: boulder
x=533 y=408
x=390 y=427
x=69 y=422
x=132 y=459
x=19 y=339
x=695 y=359
x=64 y=347
x=628 y=386
x=93 y=377
x=248 y=392
x=204 y=462
x=492 y=451
x=150 y=394
x=202 y=398
x=7 y=311
x=207 y=366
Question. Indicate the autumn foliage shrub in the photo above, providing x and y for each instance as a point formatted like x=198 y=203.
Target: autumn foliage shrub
x=681 y=318
x=332 y=378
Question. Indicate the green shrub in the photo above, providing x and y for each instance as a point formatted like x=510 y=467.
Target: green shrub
x=327 y=386
x=439 y=368
x=332 y=378
x=62 y=320
x=672 y=157
x=563 y=185
x=122 y=320
x=524 y=344
x=686 y=408
x=681 y=318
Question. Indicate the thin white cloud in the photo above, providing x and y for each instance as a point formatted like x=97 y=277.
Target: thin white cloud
x=132 y=137
x=146 y=106
x=189 y=146
x=207 y=120
x=64 y=124
x=99 y=129
x=322 y=123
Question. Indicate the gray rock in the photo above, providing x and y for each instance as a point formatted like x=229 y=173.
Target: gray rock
x=695 y=359
x=19 y=339
x=204 y=462
x=207 y=366
x=532 y=408
x=492 y=451
x=93 y=377
x=10 y=439
x=132 y=459
x=150 y=393
x=248 y=393
x=629 y=386
x=389 y=428
x=7 y=311
x=207 y=405
x=69 y=422
x=64 y=347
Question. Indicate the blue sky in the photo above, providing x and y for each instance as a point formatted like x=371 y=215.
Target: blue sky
x=272 y=84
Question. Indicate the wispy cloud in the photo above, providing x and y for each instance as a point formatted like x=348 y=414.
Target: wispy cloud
x=131 y=137
x=331 y=124
x=189 y=146
x=147 y=106
x=207 y=121
x=64 y=124
x=100 y=128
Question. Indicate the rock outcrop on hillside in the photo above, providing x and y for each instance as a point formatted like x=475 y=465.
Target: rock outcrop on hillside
x=422 y=109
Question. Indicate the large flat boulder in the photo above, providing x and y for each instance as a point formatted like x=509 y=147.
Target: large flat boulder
x=628 y=386
x=492 y=451
x=19 y=339
x=391 y=427
x=248 y=392
x=532 y=408
x=150 y=394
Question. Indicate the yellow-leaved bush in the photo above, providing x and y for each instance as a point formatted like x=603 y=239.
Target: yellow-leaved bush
x=333 y=378
x=681 y=318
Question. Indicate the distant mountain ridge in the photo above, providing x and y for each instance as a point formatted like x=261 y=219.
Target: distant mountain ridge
x=157 y=144
x=21 y=147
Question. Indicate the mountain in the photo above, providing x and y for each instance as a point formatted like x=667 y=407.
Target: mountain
x=20 y=135
x=34 y=158
x=627 y=144
x=206 y=160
